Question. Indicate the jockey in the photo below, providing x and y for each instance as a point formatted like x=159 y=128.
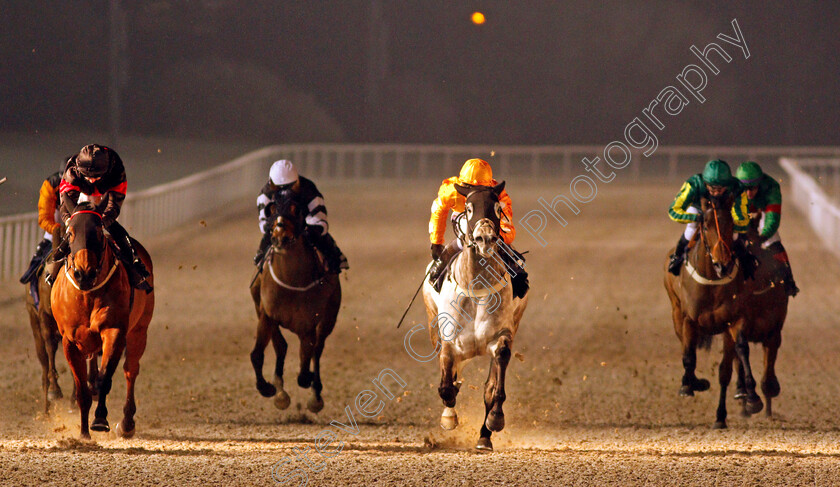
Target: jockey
x=283 y=177
x=475 y=172
x=96 y=174
x=715 y=180
x=47 y=219
x=765 y=202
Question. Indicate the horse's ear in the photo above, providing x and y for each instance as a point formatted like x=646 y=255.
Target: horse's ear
x=462 y=190
x=499 y=188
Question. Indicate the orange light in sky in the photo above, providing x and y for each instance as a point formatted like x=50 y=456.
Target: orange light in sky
x=478 y=18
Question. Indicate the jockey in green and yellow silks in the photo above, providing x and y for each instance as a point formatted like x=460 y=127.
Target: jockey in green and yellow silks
x=765 y=202
x=715 y=180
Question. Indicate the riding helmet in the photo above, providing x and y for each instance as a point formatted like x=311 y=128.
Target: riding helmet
x=283 y=172
x=93 y=161
x=476 y=172
x=717 y=173
x=749 y=173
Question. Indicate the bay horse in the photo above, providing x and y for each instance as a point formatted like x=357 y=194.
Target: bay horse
x=475 y=313
x=766 y=311
x=96 y=309
x=710 y=297
x=292 y=290
x=46 y=335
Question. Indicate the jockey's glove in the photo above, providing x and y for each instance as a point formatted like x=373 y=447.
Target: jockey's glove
x=437 y=249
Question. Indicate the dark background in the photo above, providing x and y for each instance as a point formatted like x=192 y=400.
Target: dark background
x=537 y=72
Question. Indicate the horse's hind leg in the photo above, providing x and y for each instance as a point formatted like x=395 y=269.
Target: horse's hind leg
x=725 y=376
x=742 y=348
x=282 y=399
x=769 y=383
x=79 y=370
x=495 y=420
x=448 y=390
x=690 y=382
x=307 y=349
x=258 y=355
x=43 y=356
x=113 y=345
x=49 y=330
x=93 y=374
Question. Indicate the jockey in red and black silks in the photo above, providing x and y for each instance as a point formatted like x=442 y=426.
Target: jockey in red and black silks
x=97 y=175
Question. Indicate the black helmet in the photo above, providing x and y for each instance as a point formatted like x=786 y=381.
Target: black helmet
x=93 y=161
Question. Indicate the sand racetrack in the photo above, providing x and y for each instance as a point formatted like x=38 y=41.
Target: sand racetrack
x=592 y=399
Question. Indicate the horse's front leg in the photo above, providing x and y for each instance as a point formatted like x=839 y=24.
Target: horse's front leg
x=258 y=354
x=135 y=345
x=316 y=403
x=113 y=345
x=79 y=370
x=448 y=390
x=307 y=349
x=690 y=382
x=742 y=349
x=282 y=399
x=725 y=377
x=93 y=374
x=495 y=420
x=769 y=383
x=484 y=442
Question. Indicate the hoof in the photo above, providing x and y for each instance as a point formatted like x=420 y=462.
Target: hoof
x=315 y=405
x=754 y=406
x=686 y=391
x=84 y=435
x=740 y=394
x=484 y=444
x=449 y=419
x=719 y=425
x=100 y=424
x=282 y=400
x=54 y=394
x=266 y=389
x=701 y=385
x=494 y=421
x=122 y=432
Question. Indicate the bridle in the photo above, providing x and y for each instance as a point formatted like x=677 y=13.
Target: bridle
x=726 y=273
x=70 y=262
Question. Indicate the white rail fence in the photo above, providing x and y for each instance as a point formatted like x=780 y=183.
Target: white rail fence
x=815 y=191
x=163 y=207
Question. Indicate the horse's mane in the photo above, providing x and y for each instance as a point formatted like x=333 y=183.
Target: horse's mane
x=85 y=206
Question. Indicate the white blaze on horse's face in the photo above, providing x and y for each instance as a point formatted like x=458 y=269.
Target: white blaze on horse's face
x=484 y=236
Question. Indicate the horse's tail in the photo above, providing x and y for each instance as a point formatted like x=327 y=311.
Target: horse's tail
x=705 y=341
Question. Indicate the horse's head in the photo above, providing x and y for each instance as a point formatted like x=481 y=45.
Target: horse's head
x=717 y=229
x=288 y=217
x=85 y=233
x=483 y=212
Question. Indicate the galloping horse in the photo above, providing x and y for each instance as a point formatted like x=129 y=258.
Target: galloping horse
x=47 y=337
x=293 y=290
x=709 y=297
x=475 y=312
x=766 y=310
x=97 y=310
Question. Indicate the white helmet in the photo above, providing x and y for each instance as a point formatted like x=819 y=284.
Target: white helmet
x=283 y=172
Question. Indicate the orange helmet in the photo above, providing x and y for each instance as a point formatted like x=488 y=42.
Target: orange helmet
x=476 y=172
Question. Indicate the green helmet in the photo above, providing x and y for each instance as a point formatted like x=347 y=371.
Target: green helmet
x=717 y=173
x=749 y=173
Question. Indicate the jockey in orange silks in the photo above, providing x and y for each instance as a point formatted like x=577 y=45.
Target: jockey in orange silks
x=475 y=172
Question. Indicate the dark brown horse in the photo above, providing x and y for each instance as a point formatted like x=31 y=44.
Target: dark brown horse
x=293 y=291
x=709 y=298
x=96 y=309
x=766 y=310
x=46 y=335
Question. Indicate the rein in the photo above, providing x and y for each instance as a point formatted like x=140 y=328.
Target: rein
x=695 y=274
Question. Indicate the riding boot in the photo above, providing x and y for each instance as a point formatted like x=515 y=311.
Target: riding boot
x=747 y=260
x=442 y=263
x=137 y=272
x=780 y=254
x=44 y=247
x=336 y=260
x=515 y=265
x=264 y=242
x=677 y=258
x=58 y=255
